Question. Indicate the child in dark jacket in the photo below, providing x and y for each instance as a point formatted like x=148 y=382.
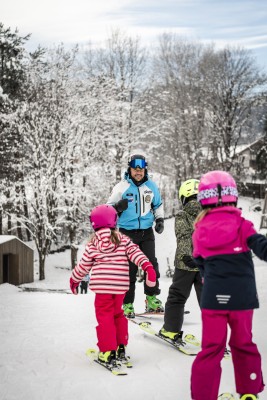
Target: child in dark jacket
x=221 y=246
x=186 y=273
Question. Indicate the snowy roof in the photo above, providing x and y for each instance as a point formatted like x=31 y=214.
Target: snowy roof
x=243 y=147
x=7 y=238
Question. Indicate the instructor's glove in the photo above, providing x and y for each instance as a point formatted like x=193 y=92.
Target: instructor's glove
x=150 y=274
x=121 y=206
x=74 y=286
x=159 y=228
x=189 y=262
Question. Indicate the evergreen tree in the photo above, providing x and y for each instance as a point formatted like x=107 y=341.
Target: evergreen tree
x=12 y=74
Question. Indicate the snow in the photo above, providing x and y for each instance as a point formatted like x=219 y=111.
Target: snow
x=8 y=238
x=44 y=336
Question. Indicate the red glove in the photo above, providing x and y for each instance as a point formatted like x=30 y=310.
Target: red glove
x=150 y=274
x=73 y=286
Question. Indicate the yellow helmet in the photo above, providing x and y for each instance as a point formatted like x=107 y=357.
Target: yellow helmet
x=188 y=188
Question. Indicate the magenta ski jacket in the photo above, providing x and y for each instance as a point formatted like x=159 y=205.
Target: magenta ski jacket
x=221 y=246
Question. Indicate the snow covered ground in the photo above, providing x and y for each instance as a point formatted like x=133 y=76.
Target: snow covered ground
x=44 y=336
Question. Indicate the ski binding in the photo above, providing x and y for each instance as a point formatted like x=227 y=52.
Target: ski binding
x=115 y=368
x=190 y=345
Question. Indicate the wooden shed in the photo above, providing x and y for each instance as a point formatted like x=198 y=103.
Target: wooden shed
x=16 y=261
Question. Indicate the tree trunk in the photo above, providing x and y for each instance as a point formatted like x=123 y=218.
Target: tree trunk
x=73 y=246
x=1 y=221
x=19 y=230
x=41 y=266
x=73 y=255
x=9 y=226
x=26 y=212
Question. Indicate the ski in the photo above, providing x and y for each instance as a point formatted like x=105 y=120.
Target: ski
x=149 y=313
x=227 y=353
x=153 y=313
x=226 y=396
x=189 y=345
x=125 y=361
x=115 y=369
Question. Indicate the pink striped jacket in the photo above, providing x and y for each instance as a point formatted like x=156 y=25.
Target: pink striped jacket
x=108 y=263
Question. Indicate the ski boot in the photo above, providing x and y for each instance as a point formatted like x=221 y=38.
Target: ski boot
x=174 y=336
x=248 y=397
x=153 y=304
x=128 y=310
x=122 y=358
x=121 y=353
x=107 y=357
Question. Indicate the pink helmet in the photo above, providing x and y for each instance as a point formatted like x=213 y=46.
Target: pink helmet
x=103 y=216
x=217 y=187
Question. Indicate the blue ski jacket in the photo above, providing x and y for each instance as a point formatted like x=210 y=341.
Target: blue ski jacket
x=144 y=203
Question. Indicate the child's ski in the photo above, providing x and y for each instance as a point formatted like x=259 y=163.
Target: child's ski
x=149 y=313
x=227 y=353
x=189 y=345
x=226 y=396
x=115 y=369
x=125 y=361
x=152 y=313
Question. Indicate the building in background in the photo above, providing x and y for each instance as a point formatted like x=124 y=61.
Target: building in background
x=16 y=261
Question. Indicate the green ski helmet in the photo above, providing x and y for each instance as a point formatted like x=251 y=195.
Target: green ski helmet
x=187 y=189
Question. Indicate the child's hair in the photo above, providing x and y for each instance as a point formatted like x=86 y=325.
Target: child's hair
x=114 y=237
x=202 y=215
x=206 y=209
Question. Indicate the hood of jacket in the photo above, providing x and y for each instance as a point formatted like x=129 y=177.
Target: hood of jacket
x=192 y=208
x=102 y=240
x=219 y=228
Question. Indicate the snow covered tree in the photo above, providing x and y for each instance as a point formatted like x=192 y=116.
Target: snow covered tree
x=46 y=124
x=233 y=88
x=174 y=108
x=261 y=155
x=12 y=75
x=120 y=64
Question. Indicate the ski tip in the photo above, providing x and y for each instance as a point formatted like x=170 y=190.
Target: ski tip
x=144 y=324
x=226 y=396
x=90 y=352
x=119 y=373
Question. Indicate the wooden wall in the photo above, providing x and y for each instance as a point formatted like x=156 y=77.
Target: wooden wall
x=18 y=259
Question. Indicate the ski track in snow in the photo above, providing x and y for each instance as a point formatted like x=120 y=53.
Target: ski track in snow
x=44 y=337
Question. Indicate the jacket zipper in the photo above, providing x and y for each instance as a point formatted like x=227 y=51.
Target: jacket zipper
x=139 y=208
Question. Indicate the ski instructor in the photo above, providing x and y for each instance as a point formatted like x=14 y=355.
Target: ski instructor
x=138 y=202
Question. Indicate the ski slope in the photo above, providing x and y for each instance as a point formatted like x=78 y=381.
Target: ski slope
x=44 y=336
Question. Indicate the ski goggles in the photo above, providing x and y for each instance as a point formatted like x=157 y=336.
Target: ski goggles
x=138 y=163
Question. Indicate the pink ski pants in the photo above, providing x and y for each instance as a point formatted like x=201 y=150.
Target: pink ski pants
x=206 y=368
x=112 y=328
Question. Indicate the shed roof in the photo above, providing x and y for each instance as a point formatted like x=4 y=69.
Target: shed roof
x=248 y=146
x=7 y=238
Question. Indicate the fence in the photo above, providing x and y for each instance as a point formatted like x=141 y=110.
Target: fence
x=255 y=190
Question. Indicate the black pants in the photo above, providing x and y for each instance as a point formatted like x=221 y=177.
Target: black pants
x=179 y=291
x=84 y=286
x=146 y=241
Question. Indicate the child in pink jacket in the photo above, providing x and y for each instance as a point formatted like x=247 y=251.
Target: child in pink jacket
x=106 y=258
x=221 y=246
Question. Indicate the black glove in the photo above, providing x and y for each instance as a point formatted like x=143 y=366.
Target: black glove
x=159 y=228
x=189 y=262
x=121 y=205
